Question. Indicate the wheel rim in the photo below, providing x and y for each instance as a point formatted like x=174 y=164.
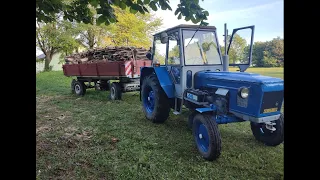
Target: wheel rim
x=263 y=130
x=149 y=100
x=77 y=88
x=202 y=137
x=113 y=92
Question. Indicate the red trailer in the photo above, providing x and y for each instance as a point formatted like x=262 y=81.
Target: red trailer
x=116 y=76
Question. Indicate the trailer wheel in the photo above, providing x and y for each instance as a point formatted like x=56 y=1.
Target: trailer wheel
x=79 y=88
x=72 y=86
x=207 y=136
x=266 y=136
x=115 y=91
x=156 y=105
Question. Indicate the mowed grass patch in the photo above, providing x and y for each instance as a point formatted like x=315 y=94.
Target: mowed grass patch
x=91 y=137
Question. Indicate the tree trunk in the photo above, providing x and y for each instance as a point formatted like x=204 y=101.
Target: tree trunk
x=47 y=62
x=91 y=39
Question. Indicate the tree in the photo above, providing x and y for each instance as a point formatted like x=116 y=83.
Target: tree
x=237 y=51
x=159 y=57
x=271 y=51
x=90 y=34
x=132 y=29
x=173 y=53
x=257 y=53
x=78 y=10
x=275 y=47
x=268 y=60
x=54 y=37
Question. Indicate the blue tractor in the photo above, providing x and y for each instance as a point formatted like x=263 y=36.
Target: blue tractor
x=195 y=74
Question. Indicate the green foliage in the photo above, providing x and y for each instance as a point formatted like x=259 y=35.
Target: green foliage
x=90 y=35
x=270 y=62
x=270 y=51
x=39 y=60
x=174 y=52
x=237 y=50
x=131 y=29
x=257 y=53
x=159 y=57
x=264 y=54
x=54 y=37
x=79 y=10
x=206 y=46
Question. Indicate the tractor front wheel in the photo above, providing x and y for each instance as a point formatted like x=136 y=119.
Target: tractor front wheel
x=267 y=136
x=156 y=105
x=207 y=136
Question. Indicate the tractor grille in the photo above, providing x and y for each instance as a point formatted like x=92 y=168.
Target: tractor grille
x=271 y=101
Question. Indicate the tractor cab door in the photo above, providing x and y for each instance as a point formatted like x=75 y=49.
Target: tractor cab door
x=173 y=60
x=240 y=47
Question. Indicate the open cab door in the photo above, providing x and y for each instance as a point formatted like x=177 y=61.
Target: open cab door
x=240 y=47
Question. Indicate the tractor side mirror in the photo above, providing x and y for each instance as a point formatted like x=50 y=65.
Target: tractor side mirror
x=164 y=37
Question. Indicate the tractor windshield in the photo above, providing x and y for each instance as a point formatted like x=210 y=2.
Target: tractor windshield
x=200 y=48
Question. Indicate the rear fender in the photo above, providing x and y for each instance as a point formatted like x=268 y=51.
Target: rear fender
x=163 y=77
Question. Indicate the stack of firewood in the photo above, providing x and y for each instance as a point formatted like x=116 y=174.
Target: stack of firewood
x=107 y=54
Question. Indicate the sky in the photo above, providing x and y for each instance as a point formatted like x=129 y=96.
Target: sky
x=266 y=15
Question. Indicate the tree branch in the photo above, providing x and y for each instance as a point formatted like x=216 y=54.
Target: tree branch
x=40 y=39
x=40 y=45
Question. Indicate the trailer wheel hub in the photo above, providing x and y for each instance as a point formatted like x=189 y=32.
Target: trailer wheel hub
x=113 y=92
x=77 y=88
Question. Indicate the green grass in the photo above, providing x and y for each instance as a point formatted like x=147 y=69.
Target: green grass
x=91 y=137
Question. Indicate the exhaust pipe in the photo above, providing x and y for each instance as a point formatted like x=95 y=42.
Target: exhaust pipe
x=225 y=57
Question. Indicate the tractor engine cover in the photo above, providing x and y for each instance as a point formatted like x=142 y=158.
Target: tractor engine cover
x=265 y=94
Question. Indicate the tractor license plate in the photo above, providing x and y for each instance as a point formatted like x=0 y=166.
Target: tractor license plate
x=192 y=96
x=270 y=110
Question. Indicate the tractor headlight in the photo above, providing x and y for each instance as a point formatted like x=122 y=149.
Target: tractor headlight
x=244 y=92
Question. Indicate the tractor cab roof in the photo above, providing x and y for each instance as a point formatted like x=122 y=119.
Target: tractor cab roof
x=187 y=26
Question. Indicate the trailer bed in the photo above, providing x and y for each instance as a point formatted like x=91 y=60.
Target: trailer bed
x=109 y=69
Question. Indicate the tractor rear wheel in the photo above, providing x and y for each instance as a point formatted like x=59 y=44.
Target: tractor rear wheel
x=266 y=136
x=207 y=136
x=156 y=105
x=79 y=88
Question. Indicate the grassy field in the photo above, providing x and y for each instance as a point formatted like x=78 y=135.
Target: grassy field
x=91 y=137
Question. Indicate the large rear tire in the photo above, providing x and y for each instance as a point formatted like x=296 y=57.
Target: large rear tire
x=156 y=105
x=266 y=136
x=207 y=136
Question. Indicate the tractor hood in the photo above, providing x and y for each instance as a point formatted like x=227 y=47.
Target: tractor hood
x=203 y=78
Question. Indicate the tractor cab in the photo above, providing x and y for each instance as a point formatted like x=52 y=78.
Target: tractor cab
x=187 y=49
